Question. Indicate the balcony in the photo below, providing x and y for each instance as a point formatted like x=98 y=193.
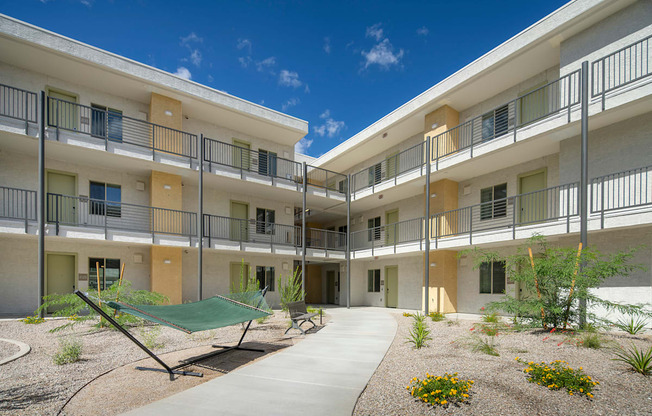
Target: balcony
x=326 y=183
x=82 y=217
x=20 y=107
x=111 y=131
x=397 y=238
x=17 y=209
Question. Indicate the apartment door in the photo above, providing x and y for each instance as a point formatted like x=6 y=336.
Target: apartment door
x=62 y=204
x=391 y=228
x=330 y=286
x=532 y=204
x=391 y=286
x=60 y=277
x=239 y=274
x=240 y=223
x=63 y=110
x=241 y=154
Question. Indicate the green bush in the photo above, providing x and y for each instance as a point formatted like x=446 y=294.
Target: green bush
x=557 y=375
x=492 y=318
x=437 y=316
x=441 y=390
x=419 y=333
x=70 y=350
x=634 y=325
x=591 y=340
x=485 y=345
x=290 y=290
x=639 y=360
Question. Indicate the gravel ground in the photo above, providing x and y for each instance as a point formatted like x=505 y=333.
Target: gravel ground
x=500 y=385
x=7 y=349
x=33 y=385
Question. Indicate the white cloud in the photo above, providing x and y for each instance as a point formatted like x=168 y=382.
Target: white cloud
x=195 y=57
x=423 y=31
x=210 y=78
x=330 y=127
x=289 y=79
x=87 y=3
x=290 y=103
x=265 y=63
x=244 y=61
x=327 y=45
x=303 y=145
x=192 y=37
x=244 y=43
x=183 y=72
x=375 y=32
x=383 y=55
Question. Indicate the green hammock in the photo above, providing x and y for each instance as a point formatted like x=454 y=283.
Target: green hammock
x=211 y=313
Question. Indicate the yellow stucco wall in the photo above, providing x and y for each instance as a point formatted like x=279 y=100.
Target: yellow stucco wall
x=313 y=283
x=442 y=293
x=167 y=112
x=444 y=197
x=446 y=118
x=166 y=272
x=160 y=195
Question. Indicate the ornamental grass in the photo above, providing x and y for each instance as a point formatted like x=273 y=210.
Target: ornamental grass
x=557 y=375
x=440 y=390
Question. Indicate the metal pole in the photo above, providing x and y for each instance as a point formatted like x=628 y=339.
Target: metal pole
x=200 y=222
x=584 y=174
x=303 y=229
x=427 y=256
x=41 y=206
x=348 y=241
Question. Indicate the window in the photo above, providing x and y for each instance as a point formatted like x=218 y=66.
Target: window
x=375 y=174
x=265 y=219
x=341 y=186
x=373 y=280
x=495 y=123
x=492 y=277
x=342 y=229
x=109 y=272
x=265 y=277
x=494 y=202
x=100 y=192
x=267 y=162
x=106 y=122
x=373 y=224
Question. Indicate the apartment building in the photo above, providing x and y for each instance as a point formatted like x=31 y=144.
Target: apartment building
x=162 y=175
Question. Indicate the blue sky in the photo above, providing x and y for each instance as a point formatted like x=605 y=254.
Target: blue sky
x=340 y=65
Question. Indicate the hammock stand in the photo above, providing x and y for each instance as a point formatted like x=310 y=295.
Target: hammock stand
x=172 y=370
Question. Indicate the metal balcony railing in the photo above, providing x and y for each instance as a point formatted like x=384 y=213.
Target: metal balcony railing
x=250 y=231
x=325 y=239
x=389 y=235
x=626 y=189
x=552 y=98
x=620 y=68
x=112 y=126
x=18 y=204
x=18 y=104
x=390 y=168
x=247 y=160
x=98 y=213
x=326 y=179
x=546 y=205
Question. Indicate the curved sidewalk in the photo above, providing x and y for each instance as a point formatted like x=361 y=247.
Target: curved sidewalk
x=322 y=375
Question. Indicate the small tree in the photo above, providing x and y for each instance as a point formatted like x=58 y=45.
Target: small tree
x=557 y=283
x=290 y=290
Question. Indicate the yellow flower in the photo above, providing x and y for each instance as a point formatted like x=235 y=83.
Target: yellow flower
x=516 y=359
x=444 y=402
x=581 y=390
x=465 y=395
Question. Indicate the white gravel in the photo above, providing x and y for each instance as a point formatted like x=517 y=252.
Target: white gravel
x=33 y=385
x=500 y=385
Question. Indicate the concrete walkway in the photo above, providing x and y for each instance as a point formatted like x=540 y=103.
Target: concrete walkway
x=322 y=375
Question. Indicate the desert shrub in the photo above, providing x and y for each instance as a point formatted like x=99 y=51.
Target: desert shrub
x=32 y=320
x=437 y=316
x=632 y=325
x=290 y=289
x=491 y=318
x=419 y=333
x=638 y=359
x=69 y=351
x=591 y=340
x=557 y=375
x=149 y=334
x=407 y=314
x=72 y=306
x=440 y=390
x=557 y=282
x=485 y=345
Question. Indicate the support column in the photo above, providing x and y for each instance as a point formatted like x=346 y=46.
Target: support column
x=200 y=221
x=41 y=205
x=348 y=242
x=584 y=171
x=427 y=226
x=303 y=229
